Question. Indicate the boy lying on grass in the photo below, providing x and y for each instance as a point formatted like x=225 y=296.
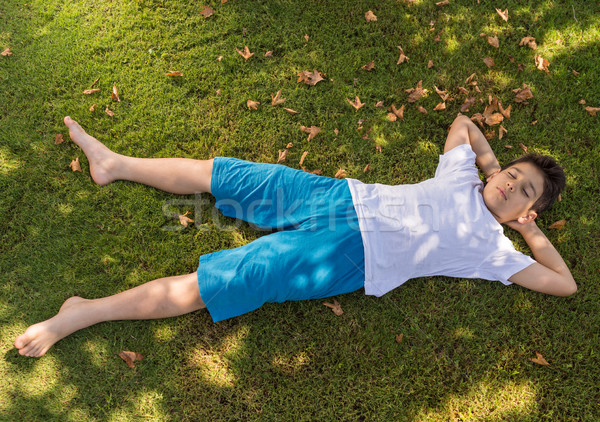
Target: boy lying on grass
x=334 y=236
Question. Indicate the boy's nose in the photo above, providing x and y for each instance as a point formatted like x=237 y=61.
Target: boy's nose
x=509 y=186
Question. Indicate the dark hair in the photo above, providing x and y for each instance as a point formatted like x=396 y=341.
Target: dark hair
x=554 y=179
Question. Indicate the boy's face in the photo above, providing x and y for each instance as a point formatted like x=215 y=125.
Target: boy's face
x=510 y=194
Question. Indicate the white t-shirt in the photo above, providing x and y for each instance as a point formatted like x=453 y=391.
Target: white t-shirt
x=440 y=226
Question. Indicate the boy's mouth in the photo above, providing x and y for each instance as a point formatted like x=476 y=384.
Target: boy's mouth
x=502 y=193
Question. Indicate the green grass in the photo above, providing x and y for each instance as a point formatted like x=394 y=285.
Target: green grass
x=464 y=355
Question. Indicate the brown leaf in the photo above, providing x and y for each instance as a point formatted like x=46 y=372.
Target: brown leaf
x=592 y=110
x=402 y=57
x=493 y=41
x=370 y=16
x=442 y=3
x=440 y=106
x=341 y=174
x=467 y=104
x=421 y=109
x=379 y=104
x=289 y=145
x=335 y=307
x=503 y=14
x=130 y=357
x=246 y=54
x=366 y=135
x=392 y=117
x=277 y=99
x=463 y=90
x=58 y=139
x=75 y=166
x=369 y=66
x=252 y=105
x=490 y=134
x=576 y=73
x=356 y=104
x=109 y=112
x=219 y=58
x=443 y=94
x=95 y=82
x=115 y=93
x=184 y=219
x=478 y=117
x=470 y=79
x=505 y=111
x=558 y=225
x=312 y=131
x=336 y=131
x=534 y=123
x=291 y=111
x=582 y=102
x=173 y=73
x=415 y=93
x=541 y=63
x=206 y=12
x=306 y=37
x=489 y=62
x=523 y=147
x=282 y=156
x=529 y=42
x=93 y=107
x=218 y=91
x=429 y=64
x=501 y=132
x=399 y=112
x=310 y=78
x=493 y=119
x=269 y=54
x=6 y=53
x=399 y=337
x=522 y=94
x=367 y=168
x=90 y=91
x=438 y=37
x=539 y=359
x=304 y=154
x=508 y=146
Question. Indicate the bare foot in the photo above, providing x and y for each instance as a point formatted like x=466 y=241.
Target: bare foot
x=38 y=338
x=103 y=162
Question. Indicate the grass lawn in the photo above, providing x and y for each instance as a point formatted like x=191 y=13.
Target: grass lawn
x=466 y=346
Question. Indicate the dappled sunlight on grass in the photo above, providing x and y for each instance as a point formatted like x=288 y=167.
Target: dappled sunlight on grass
x=8 y=162
x=144 y=404
x=485 y=401
x=291 y=364
x=428 y=148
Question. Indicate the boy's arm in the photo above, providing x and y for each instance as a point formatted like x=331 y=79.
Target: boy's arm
x=464 y=131
x=549 y=274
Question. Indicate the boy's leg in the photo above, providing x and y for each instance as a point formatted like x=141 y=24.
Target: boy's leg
x=161 y=298
x=175 y=175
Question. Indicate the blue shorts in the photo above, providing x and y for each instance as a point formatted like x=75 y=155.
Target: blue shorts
x=317 y=252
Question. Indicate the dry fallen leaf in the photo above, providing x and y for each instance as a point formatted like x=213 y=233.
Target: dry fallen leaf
x=367 y=168
x=438 y=37
x=282 y=156
x=501 y=132
x=402 y=57
x=335 y=307
x=173 y=73
x=289 y=145
x=576 y=73
x=6 y=53
x=489 y=62
x=289 y=110
x=379 y=104
x=252 y=105
x=399 y=112
x=90 y=91
x=522 y=94
x=592 y=110
x=443 y=94
x=93 y=107
x=366 y=135
x=370 y=16
x=341 y=174
x=356 y=104
x=505 y=111
x=508 y=146
x=503 y=14
x=184 y=219
x=219 y=58
x=336 y=131
x=534 y=123
x=304 y=154
x=429 y=64
x=582 y=102
x=399 y=337
x=130 y=357
x=115 y=93
x=246 y=54
x=439 y=107
x=109 y=112
x=310 y=78
x=558 y=224
x=539 y=359
x=541 y=63
x=493 y=41
x=415 y=93
x=58 y=139
x=392 y=117
x=421 y=109
x=269 y=54
x=306 y=37
x=523 y=147
x=369 y=66
x=312 y=131
x=206 y=12
x=493 y=119
x=490 y=134
x=75 y=166
x=463 y=90
x=529 y=42
x=95 y=82
x=467 y=104
x=218 y=91
x=277 y=99
x=442 y=3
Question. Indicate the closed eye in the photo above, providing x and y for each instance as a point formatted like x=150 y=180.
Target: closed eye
x=512 y=175
x=525 y=192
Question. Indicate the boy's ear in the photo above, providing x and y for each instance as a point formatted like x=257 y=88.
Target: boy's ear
x=528 y=218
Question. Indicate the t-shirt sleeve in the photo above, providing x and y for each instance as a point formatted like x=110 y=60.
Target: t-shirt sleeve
x=458 y=159
x=504 y=262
